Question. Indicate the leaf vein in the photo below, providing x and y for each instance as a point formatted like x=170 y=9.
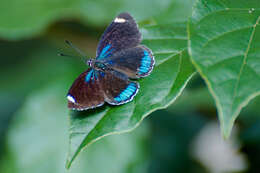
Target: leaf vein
x=212 y=65
x=224 y=33
x=165 y=38
x=244 y=60
x=169 y=57
x=225 y=9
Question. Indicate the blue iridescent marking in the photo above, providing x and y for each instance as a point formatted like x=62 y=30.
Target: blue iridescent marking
x=118 y=99
x=105 y=53
x=110 y=62
x=108 y=53
x=104 y=50
x=145 y=63
x=127 y=93
x=102 y=73
x=92 y=75
x=96 y=75
x=89 y=75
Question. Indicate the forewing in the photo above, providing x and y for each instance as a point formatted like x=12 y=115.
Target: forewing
x=118 y=89
x=122 y=33
x=135 y=62
x=86 y=91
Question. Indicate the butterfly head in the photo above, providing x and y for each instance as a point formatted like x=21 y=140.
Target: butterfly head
x=96 y=64
x=90 y=62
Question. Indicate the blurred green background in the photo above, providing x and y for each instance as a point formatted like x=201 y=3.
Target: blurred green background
x=34 y=82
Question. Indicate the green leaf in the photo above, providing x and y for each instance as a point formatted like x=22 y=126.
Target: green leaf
x=224 y=44
x=169 y=77
x=176 y=11
x=37 y=140
x=27 y=18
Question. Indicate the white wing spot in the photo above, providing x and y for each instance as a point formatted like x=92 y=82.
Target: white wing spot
x=119 y=20
x=71 y=99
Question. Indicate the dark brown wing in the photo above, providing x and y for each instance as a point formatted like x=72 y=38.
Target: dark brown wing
x=122 y=33
x=117 y=88
x=86 y=91
x=135 y=62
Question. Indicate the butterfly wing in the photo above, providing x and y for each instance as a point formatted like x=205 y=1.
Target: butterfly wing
x=122 y=33
x=135 y=62
x=92 y=88
x=86 y=91
x=118 y=89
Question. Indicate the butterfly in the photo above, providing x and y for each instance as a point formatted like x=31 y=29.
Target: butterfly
x=119 y=58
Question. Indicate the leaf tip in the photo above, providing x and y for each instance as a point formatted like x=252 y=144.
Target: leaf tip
x=226 y=129
x=68 y=164
x=226 y=134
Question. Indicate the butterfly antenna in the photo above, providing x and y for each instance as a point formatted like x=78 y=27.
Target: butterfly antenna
x=66 y=55
x=75 y=48
x=71 y=56
x=82 y=56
